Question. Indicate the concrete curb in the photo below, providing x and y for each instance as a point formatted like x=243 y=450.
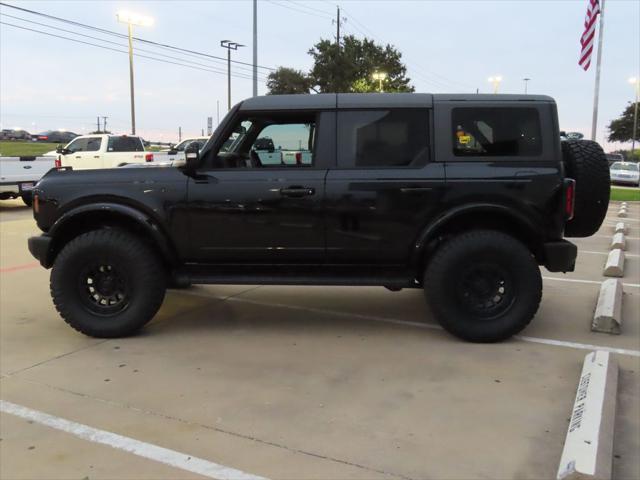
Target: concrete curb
x=588 y=448
x=608 y=315
x=618 y=242
x=621 y=228
x=615 y=264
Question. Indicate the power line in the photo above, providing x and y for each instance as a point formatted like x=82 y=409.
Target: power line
x=122 y=51
x=121 y=35
x=112 y=43
x=300 y=10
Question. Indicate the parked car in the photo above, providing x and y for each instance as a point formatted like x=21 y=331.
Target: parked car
x=55 y=136
x=627 y=173
x=14 y=134
x=614 y=157
x=463 y=196
x=176 y=153
x=18 y=176
x=101 y=151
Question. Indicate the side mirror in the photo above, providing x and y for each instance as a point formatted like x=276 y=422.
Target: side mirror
x=192 y=156
x=61 y=150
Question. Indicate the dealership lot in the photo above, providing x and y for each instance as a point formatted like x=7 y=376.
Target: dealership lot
x=308 y=382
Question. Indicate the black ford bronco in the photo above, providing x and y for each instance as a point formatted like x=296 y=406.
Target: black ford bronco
x=463 y=196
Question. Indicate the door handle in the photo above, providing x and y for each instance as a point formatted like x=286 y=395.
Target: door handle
x=414 y=189
x=297 y=192
x=78 y=156
x=96 y=156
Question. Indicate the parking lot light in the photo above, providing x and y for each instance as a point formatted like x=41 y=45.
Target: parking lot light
x=132 y=19
x=380 y=77
x=495 y=80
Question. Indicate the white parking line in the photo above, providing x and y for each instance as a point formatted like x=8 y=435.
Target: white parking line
x=545 y=341
x=593 y=282
x=131 y=445
x=609 y=237
x=606 y=253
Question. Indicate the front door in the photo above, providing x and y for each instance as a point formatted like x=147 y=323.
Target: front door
x=249 y=206
x=84 y=153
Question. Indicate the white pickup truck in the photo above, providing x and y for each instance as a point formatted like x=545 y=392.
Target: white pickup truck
x=101 y=151
x=18 y=175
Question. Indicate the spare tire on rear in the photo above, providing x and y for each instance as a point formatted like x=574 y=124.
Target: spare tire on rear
x=586 y=163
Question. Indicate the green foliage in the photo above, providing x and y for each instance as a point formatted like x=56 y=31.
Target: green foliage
x=350 y=66
x=620 y=129
x=288 y=80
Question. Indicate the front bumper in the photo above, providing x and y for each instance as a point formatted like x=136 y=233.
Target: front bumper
x=40 y=248
x=560 y=256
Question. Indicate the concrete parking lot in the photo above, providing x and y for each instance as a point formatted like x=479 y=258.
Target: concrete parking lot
x=307 y=382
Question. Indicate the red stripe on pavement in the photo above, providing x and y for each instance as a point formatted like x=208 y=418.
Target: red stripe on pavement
x=15 y=268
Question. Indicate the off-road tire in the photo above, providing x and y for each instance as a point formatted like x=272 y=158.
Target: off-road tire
x=586 y=163
x=137 y=270
x=27 y=199
x=447 y=291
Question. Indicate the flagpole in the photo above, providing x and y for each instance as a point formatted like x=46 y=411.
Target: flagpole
x=594 y=123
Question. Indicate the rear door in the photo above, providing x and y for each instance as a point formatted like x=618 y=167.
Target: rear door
x=385 y=187
x=84 y=153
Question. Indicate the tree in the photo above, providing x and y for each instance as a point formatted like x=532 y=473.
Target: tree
x=288 y=80
x=620 y=128
x=350 y=66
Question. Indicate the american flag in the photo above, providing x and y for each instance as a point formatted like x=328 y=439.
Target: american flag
x=589 y=34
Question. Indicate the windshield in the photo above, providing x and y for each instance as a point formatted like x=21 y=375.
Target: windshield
x=631 y=167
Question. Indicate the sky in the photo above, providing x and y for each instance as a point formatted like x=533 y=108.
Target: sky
x=448 y=46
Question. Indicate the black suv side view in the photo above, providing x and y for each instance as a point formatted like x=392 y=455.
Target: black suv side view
x=464 y=196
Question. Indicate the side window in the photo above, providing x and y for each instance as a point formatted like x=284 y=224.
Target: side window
x=93 y=144
x=78 y=145
x=495 y=132
x=124 y=144
x=289 y=144
x=383 y=138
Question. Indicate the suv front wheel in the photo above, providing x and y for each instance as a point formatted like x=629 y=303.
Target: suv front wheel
x=483 y=286
x=107 y=283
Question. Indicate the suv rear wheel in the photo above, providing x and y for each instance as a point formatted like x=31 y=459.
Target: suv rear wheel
x=483 y=286
x=107 y=283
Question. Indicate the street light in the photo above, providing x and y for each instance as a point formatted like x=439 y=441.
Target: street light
x=526 y=83
x=132 y=19
x=229 y=45
x=495 y=80
x=380 y=77
x=634 y=81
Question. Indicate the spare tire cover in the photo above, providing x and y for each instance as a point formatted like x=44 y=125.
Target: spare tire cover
x=586 y=163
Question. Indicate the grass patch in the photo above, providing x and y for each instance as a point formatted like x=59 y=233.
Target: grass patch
x=625 y=194
x=25 y=149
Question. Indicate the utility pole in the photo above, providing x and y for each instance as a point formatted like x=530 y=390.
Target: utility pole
x=98 y=124
x=218 y=112
x=179 y=134
x=338 y=22
x=255 y=48
x=229 y=45
x=526 y=81
x=104 y=124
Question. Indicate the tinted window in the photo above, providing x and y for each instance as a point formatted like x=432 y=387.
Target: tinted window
x=490 y=132
x=88 y=144
x=285 y=144
x=125 y=144
x=383 y=138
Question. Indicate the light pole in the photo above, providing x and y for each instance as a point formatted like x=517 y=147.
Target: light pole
x=132 y=19
x=380 y=77
x=229 y=45
x=495 y=80
x=526 y=82
x=636 y=84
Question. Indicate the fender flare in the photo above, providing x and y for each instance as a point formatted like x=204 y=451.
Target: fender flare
x=433 y=228
x=146 y=222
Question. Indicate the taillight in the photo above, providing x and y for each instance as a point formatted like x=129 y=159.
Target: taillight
x=298 y=158
x=58 y=162
x=569 y=197
x=148 y=157
x=36 y=203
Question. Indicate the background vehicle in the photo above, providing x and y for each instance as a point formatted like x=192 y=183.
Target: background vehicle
x=370 y=205
x=18 y=175
x=14 y=134
x=54 y=136
x=101 y=151
x=614 y=157
x=177 y=152
x=627 y=173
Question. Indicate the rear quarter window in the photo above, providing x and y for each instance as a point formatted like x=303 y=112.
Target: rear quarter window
x=125 y=144
x=496 y=132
